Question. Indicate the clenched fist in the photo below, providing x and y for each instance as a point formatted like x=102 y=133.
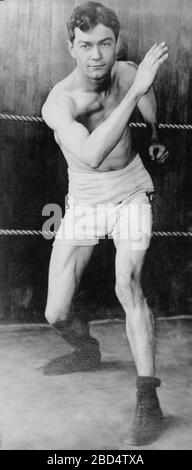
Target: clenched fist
x=158 y=152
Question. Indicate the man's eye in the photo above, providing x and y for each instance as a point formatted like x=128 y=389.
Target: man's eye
x=106 y=44
x=85 y=46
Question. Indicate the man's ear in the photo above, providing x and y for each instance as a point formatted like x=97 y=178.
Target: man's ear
x=70 y=48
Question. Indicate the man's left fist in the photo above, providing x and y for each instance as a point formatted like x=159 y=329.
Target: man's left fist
x=158 y=152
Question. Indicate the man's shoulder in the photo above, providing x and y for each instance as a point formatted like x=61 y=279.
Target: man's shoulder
x=62 y=88
x=58 y=103
x=126 y=71
x=128 y=67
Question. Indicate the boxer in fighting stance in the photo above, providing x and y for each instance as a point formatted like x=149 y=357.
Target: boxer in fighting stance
x=89 y=112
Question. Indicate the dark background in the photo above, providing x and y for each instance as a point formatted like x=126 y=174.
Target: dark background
x=34 y=58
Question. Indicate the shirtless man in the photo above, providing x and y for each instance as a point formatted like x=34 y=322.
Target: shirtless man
x=89 y=113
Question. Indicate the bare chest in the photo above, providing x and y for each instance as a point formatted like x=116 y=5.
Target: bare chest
x=100 y=109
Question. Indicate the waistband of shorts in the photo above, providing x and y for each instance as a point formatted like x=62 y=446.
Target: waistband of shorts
x=94 y=175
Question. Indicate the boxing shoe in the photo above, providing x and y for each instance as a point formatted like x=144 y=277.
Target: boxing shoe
x=148 y=419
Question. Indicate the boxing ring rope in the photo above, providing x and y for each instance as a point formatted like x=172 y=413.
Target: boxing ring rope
x=40 y=232
x=36 y=119
x=16 y=117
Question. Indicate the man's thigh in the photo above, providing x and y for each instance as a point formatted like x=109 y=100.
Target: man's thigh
x=128 y=262
x=66 y=267
x=68 y=262
x=132 y=236
x=133 y=226
x=79 y=226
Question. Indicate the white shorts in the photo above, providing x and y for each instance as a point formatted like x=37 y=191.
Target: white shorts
x=130 y=220
x=113 y=204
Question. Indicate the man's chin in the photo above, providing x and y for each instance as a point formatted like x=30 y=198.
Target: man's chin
x=98 y=74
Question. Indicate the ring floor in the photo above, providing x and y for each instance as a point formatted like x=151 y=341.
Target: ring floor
x=89 y=410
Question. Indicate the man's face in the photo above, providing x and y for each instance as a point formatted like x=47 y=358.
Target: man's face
x=94 y=51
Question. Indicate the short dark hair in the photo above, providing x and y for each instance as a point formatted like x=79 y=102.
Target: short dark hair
x=90 y=14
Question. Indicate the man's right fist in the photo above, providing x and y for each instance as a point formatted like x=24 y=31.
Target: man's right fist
x=147 y=69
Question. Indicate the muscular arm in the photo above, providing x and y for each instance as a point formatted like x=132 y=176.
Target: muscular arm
x=93 y=148
x=73 y=137
x=147 y=106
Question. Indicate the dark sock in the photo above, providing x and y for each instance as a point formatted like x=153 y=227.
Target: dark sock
x=148 y=417
x=63 y=327
x=68 y=333
x=146 y=391
x=85 y=357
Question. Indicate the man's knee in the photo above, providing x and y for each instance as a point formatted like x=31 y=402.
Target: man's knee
x=61 y=294
x=52 y=316
x=55 y=313
x=127 y=284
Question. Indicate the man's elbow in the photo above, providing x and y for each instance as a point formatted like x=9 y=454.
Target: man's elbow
x=94 y=162
x=90 y=158
x=94 y=165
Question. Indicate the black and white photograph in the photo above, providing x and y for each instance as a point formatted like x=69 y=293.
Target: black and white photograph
x=95 y=229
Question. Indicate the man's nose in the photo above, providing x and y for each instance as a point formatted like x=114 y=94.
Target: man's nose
x=96 y=53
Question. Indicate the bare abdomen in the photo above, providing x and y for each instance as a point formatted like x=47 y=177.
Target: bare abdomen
x=118 y=158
